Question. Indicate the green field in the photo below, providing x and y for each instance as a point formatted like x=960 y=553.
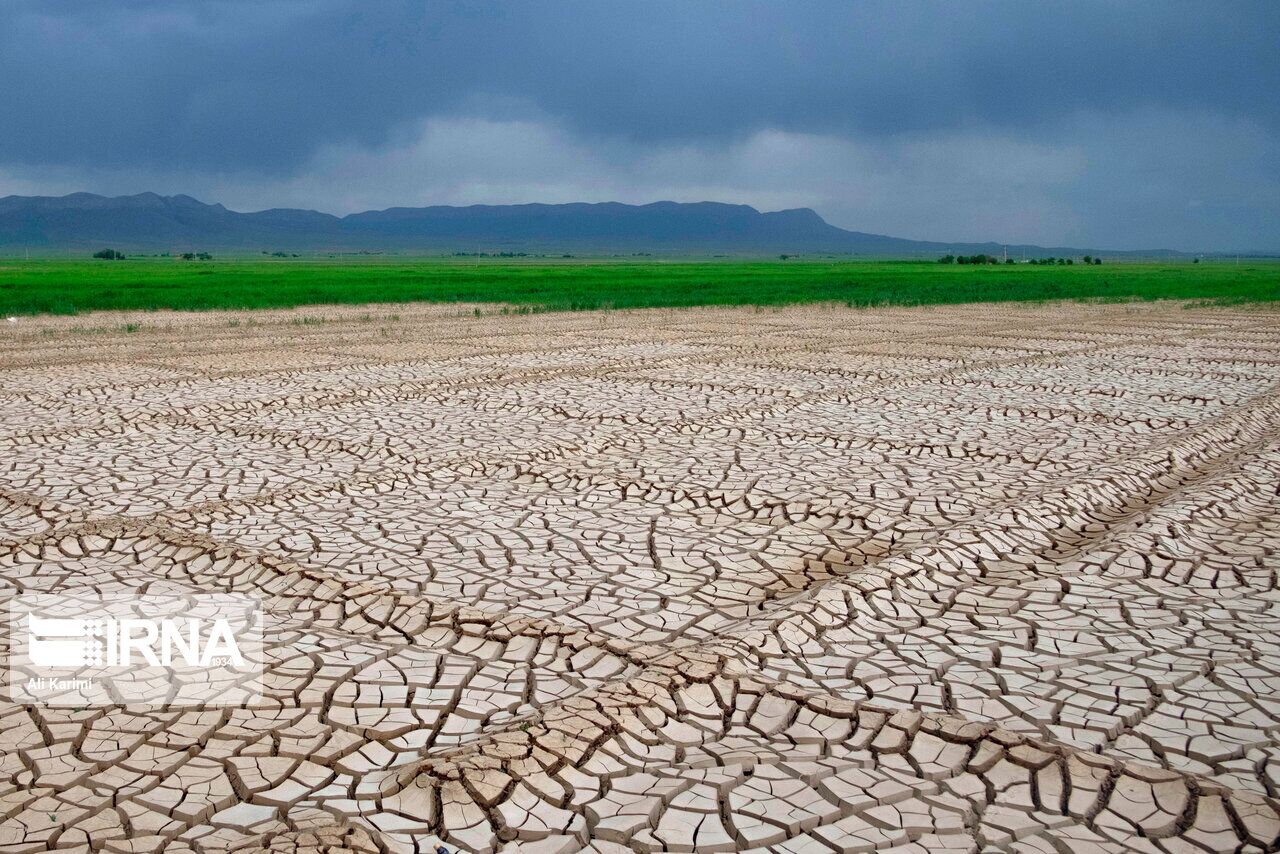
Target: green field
x=68 y=287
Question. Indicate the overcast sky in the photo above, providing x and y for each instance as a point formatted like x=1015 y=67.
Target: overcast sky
x=1099 y=124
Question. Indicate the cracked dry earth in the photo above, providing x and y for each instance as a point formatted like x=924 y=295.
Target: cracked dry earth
x=818 y=579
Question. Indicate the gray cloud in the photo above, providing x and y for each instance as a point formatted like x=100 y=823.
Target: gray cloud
x=1112 y=124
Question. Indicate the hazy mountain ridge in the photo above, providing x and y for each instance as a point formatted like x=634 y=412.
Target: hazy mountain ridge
x=154 y=223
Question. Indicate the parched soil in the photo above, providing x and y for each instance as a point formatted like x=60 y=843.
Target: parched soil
x=977 y=578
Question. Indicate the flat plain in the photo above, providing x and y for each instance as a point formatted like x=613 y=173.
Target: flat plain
x=965 y=578
x=69 y=286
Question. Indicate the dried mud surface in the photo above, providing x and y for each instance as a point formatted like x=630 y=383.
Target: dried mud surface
x=932 y=580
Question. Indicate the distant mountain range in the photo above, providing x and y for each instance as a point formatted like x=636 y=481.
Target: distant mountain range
x=149 y=222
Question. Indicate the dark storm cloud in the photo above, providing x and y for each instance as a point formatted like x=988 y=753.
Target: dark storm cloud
x=261 y=88
x=263 y=83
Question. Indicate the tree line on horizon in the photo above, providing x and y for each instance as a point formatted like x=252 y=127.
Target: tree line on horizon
x=117 y=255
x=983 y=258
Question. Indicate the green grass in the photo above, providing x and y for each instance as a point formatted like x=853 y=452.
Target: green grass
x=68 y=287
